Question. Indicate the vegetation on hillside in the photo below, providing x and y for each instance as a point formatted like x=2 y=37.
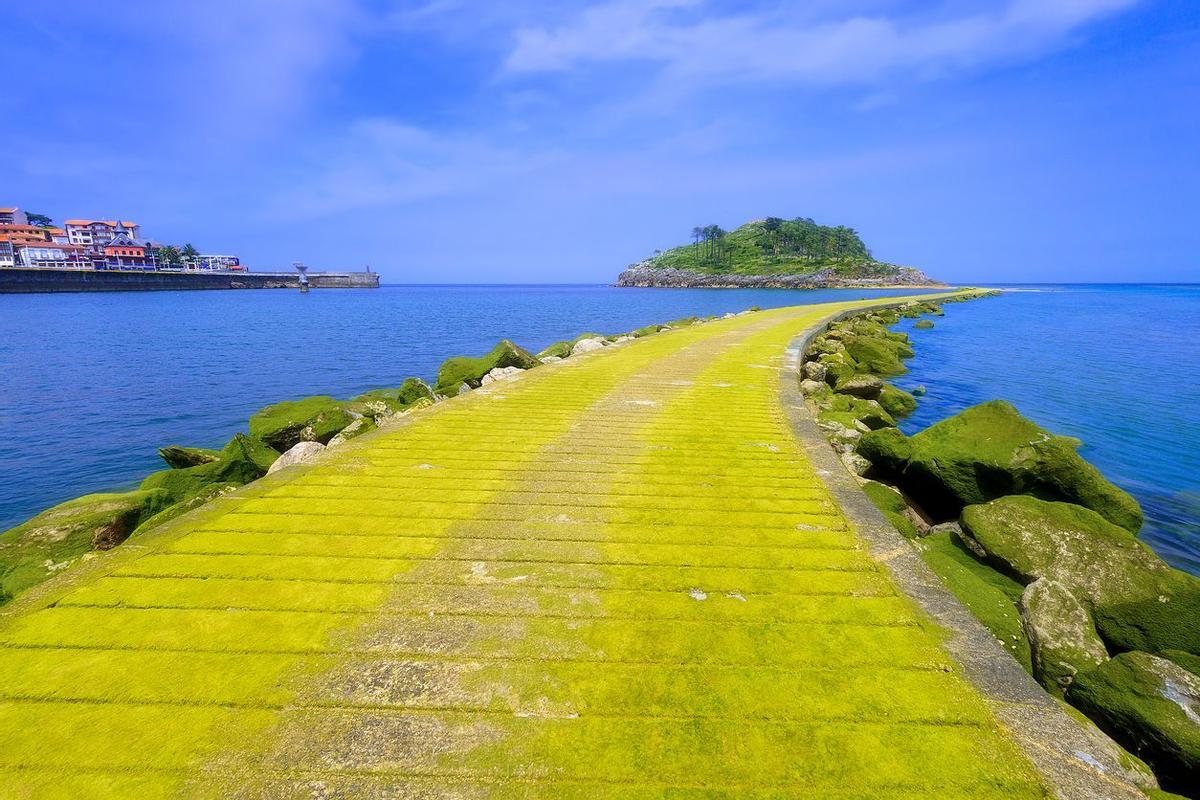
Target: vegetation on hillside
x=773 y=246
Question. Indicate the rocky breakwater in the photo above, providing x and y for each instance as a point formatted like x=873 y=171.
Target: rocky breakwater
x=645 y=274
x=279 y=436
x=1032 y=539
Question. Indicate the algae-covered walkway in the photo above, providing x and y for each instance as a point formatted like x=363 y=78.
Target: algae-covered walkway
x=617 y=576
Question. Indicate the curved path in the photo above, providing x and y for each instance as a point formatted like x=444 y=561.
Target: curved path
x=618 y=576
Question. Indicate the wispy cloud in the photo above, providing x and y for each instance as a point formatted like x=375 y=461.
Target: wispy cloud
x=775 y=44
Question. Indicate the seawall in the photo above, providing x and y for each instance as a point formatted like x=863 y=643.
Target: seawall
x=21 y=281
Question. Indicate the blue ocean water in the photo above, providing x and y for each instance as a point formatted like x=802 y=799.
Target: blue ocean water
x=92 y=384
x=1117 y=366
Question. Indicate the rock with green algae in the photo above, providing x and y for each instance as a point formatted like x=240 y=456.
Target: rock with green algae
x=896 y=401
x=179 y=509
x=556 y=350
x=182 y=457
x=989 y=451
x=1062 y=639
x=1101 y=744
x=923 y=324
x=891 y=504
x=353 y=431
x=842 y=407
x=880 y=356
x=864 y=386
x=1102 y=564
x=989 y=595
x=1168 y=621
x=48 y=543
x=241 y=461
x=887 y=449
x=1150 y=705
x=313 y=419
x=838 y=367
x=648 y=330
x=379 y=404
x=460 y=370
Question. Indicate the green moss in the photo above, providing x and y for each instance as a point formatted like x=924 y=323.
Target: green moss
x=456 y=371
x=1168 y=619
x=45 y=545
x=989 y=595
x=241 y=461
x=380 y=403
x=887 y=449
x=989 y=451
x=892 y=505
x=648 y=330
x=897 y=402
x=314 y=419
x=1099 y=562
x=556 y=350
x=683 y=322
x=1138 y=698
x=869 y=412
x=924 y=324
x=1189 y=661
x=180 y=457
x=879 y=356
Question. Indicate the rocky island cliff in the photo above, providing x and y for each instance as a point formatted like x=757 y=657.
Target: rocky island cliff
x=771 y=253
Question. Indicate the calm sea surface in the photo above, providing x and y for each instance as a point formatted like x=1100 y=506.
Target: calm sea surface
x=92 y=384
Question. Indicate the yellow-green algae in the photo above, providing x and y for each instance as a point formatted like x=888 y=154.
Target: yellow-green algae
x=618 y=576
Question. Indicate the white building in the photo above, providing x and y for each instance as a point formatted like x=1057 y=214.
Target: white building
x=13 y=216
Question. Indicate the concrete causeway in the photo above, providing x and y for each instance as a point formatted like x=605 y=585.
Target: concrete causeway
x=616 y=576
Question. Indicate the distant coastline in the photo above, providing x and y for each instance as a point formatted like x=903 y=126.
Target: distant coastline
x=18 y=280
x=645 y=275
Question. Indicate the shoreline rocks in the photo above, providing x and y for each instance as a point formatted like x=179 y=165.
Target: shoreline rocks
x=645 y=276
x=1033 y=540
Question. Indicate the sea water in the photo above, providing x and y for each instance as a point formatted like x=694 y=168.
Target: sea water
x=92 y=384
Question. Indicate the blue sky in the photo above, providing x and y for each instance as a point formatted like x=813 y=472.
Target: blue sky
x=459 y=141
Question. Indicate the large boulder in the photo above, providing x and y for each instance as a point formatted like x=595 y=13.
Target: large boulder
x=845 y=410
x=1062 y=639
x=48 y=543
x=865 y=386
x=887 y=449
x=182 y=457
x=878 y=355
x=896 y=402
x=302 y=453
x=313 y=419
x=1100 y=563
x=460 y=370
x=989 y=451
x=1168 y=621
x=588 y=345
x=1152 y=706
x=501 y=374
x=241 y=461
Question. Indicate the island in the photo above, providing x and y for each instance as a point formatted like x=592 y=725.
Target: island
x=772 y=253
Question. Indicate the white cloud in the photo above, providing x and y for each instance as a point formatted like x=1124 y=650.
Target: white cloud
x=774 y=44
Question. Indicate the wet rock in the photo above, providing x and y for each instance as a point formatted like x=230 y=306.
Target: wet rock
x=1061 y=635
x=1151 y=706
x=302 y=453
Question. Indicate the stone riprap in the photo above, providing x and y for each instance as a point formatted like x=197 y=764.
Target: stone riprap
x=615 y=576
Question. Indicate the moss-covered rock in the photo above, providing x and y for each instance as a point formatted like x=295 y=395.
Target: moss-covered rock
x=313 y=419
x=379 y=404
x=556 y=350
x=989 y=451
x=869 y=412
x=241 y=461
x=896 y=401
x=1167 y=621
x=1100 y=563
x=39 y=548
x=648 y=330
x=169 y=513
x=923 y=324
x=1150 y=705
x=891 y=503
x=838 y=367
x=864 y=386
x=458 y=370
x=988 y=594
x=877 y=355
x=887 y=449
x=1062 y=638
x=182 y=457
x=353 y=431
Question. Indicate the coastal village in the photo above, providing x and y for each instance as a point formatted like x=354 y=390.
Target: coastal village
x=32 y=241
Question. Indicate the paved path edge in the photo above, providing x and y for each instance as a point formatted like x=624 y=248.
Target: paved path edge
x=1057 y=745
